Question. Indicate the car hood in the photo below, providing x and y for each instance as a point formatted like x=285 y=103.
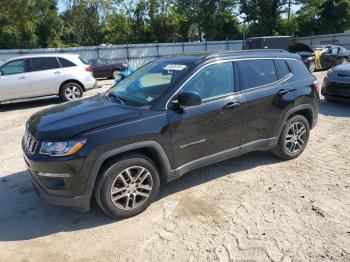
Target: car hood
x=343 y=67
x=70 y=119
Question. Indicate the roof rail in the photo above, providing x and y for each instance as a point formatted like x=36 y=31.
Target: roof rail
x=246 y=51
x=191 y=53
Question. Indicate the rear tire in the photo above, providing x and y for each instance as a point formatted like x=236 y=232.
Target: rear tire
x=127 y=186
x=71 y=91
x=293 y=139
x=115 y=72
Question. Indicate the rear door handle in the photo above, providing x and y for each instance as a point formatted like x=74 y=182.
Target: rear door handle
x=22 y=78
x=232 y=105
x=58 y=72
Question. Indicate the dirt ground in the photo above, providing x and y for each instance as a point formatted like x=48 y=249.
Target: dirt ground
x=252 y=208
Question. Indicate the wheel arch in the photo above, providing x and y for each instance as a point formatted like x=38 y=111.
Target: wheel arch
x=151 y=149
x=72 y=81
x=305 y=110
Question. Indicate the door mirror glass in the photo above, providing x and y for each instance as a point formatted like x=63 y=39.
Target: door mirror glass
x=188 y=99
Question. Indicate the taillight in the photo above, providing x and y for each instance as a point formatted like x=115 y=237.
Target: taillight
x=88 y=69
x=317 y=85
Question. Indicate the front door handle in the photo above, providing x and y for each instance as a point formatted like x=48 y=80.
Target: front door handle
x=283 y=92
x=232 y=105
x=22 y=78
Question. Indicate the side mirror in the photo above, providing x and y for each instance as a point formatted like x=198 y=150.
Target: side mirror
x=188 y=99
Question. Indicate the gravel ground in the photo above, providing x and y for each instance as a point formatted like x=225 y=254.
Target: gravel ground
x=251 y=208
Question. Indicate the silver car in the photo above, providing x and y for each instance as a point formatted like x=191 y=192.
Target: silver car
x=41 y=76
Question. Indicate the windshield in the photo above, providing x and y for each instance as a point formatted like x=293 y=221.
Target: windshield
x=319 y=47
x=149 y=82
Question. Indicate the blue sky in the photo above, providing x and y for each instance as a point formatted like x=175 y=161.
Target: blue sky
x=60 y=6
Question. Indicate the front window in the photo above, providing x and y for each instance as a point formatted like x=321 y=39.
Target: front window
x=213 y=81
x=14 y=67
x=149 y=82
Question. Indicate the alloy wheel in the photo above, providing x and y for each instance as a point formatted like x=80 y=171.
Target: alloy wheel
x=295 y=138
x=115 y=73
x=312 y=67
x=131 y=188
x=72 y=93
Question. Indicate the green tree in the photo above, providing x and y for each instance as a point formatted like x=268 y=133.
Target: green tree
x=215 y=19
x=29 y=23
x=81 y=23
x=265 y=17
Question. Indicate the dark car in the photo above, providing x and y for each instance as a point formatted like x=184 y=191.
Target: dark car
x=171 y=116
x=268 y=42
x=336 y=85
x=106 y=68
x=331 y=55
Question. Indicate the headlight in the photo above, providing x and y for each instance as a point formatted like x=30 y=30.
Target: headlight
x=64 y=148
x=329 y=73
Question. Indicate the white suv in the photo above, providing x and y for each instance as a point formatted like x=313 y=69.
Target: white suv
x=41 y=76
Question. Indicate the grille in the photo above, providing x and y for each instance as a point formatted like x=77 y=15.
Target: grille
x=343 y=74
x=30 y=144
x=338 y=89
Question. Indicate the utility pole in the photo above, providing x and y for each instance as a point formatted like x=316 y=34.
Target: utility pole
x=244 y=17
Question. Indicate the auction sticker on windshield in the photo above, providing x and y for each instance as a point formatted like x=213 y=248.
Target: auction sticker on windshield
x=175 y=67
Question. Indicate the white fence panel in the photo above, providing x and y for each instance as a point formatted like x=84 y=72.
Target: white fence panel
x=342 y=39
x=139 y=54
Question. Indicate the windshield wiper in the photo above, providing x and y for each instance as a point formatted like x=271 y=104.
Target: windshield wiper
x=112 y=95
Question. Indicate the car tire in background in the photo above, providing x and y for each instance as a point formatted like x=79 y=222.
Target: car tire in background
x=127 y=185
x=293 y=139
x=115 y=72
x=312 y=67
x=71 y=91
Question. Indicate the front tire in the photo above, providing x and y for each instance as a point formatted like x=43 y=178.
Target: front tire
x=71 y=91
x=127 y=186
x=294 y=138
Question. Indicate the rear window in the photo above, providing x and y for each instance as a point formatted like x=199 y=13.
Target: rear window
x=44 y=63
x=65 y=63
x=298 y=68
x=283 y=68
x=254 y=73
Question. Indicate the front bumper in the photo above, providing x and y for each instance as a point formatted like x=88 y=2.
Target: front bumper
x=81 y=203
x=69 y=192
x=336 y=89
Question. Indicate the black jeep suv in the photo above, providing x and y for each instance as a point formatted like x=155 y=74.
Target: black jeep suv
x=171 y=116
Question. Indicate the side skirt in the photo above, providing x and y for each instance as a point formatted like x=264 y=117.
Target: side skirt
x=259 y=145
x=38 y=98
